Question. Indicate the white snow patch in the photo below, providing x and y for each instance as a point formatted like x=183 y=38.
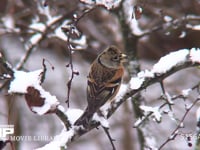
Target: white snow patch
x=168 y=18
x=195 y=55
x=182 y=35
x=73 y=114
x=138 y=122
x=81 y=42
x=136 y=83
x=38 y=26
x=145 y=74
x=133 y=23
x=35 y=38
x=186 y=92
x=8 y=21
x=22 y=80
x=154 y=110
x=198 y=114
x=60 y=34
x=170 y=60
x=122 y=90
x=103 y=121
x=196 y=27
x=109 y=4
x=169 y=98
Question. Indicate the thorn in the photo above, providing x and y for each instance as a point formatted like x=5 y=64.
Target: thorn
x=67 y=65
x=76 y=73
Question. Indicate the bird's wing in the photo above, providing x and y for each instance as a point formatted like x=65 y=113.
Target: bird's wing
x=98 y=94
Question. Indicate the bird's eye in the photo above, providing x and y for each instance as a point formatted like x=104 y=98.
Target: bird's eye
x=116 y=58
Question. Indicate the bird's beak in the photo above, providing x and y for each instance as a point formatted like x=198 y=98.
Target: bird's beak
x=124 y=57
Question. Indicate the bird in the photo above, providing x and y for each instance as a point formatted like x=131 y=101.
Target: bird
x=103 y=81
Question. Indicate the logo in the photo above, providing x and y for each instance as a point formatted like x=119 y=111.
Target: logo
x=6 y=130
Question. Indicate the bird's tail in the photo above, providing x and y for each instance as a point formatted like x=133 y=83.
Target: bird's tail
x=84 y=119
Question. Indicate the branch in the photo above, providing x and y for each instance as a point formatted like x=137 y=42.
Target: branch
x=36 y=96
x=180 y=125
x=146 y=82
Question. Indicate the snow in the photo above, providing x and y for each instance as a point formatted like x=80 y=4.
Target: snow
x=59 y=141
x=8 y=21
x=188 y=106
x=52 y=20
x=122 y=90
x=103 y=121
x=195 y=55
x=81 y=42
x=186 y=92
x=169 y=98
x=38 y=26
x=169 y=61
x=50 y=102
x=145 y=74
x=60 y=34
x=172 y=136
x=182 y=35
x=198 y=114
x=109 y=4
x=35 y=38
x=165 y=64
x=135 y=83
x=138 y=122
x=196 y=27
x=171 y=115
x=129 y=12
x=46 y=11
x=23 y=80
x=154 y=110
x=73 y=114
x=168 y=18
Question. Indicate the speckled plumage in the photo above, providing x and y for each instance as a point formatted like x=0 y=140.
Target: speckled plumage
x=104 y=81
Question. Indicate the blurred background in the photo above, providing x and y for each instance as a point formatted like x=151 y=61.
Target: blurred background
x=165 y=26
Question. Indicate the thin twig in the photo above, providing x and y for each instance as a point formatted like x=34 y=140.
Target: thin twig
x=132 y=93
x=180 y=125
x=63 y=118
x=109 y=137
x=69 y=46
x=69 y=83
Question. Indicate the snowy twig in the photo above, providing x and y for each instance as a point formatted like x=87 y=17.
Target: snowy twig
x=146 y=82
x=73 y=72
x=149 y=81
x=37 y=97
x=70 y=32
x=180 y=125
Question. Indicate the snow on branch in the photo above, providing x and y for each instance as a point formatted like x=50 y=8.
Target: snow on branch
x=42 y=102
x=29 y=83
x=155 y=112
x=166 y=64
x=109 y=4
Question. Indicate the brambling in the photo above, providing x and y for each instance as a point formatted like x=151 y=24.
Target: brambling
x=104 y=81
